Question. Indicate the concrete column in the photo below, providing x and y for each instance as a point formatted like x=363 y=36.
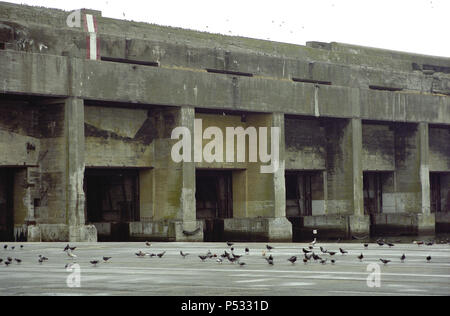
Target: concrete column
x=75 y=199
x=279 y=182
x=425 y=220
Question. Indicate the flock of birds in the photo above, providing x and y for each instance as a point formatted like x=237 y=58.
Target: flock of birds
x=307 y=254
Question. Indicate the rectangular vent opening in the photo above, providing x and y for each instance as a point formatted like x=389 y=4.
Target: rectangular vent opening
x=130 y=61
x=312 y=81
x=435 y=68
x=2 y=46
x=382 y=88
x=229 y=72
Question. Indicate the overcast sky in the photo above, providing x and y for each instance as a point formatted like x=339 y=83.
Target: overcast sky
x=418 y=26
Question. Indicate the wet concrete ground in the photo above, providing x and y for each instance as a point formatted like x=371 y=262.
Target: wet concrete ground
x=127 y=274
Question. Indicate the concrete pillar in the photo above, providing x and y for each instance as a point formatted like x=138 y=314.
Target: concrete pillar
x=425 y=220
x=280 y=229
x=75 y=199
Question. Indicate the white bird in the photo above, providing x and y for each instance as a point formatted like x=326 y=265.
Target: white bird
x=71 y=255
x=313 y=242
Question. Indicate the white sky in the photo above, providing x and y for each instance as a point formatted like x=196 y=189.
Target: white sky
x=418 y=26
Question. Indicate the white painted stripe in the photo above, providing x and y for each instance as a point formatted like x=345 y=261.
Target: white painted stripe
x=90 y=23
x=93 y=46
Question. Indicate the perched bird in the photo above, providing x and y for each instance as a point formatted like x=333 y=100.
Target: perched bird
x=269 y=247
x=343 y=252
x=308 y=257
x=323 y=250
x=247 y=251
x=219 y=260
x=305 y=261
x=331 y=253
x=1 y=260
x=316 y=257
x=72 y=248
x=43 y=258
x=292 y=259
x=390 y=244
x=94 y=262
x=269 y=261
x=13 y=247
x=9 y=259
x=403 y=257
x=229 y=244
x=360 y=257
x=19 y=261
x=160 y=255
x=232 y=249
x=105 y=259
x=428 y=258
x=310 y=247
x=430 y=243
x=225 y=254
x=232 y=259
x=380 y=243
x=236 y=256
x=7 y=263
x=21 y=246
x=306 y=251
x=241 y=264
x=323 y=261
x=5 y=247
x=385 y=261
x=366 y=245
x=66 y=248
x=40 y=260
x=184 y=255
x=203 y=258
x=148 y=244
x=140 y=254
x=68 y=265
x=419 y=243
x=333 y=261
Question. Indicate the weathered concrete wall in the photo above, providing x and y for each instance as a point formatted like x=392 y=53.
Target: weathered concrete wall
x=117 y=137
x=305 y=144
x=439 y=148
x=378 y=147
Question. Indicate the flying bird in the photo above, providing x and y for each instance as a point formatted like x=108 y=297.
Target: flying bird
x=184 y=255
x=385 y=261
x=66 y=248
x=203 y=258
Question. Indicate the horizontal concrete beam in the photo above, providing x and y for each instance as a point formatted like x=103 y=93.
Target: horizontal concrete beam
x=55 y=76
